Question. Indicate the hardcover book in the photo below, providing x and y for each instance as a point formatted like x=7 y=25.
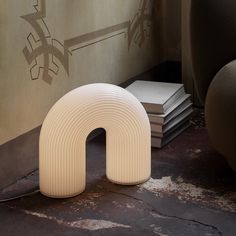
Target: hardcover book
x=179 y=106
x=164 y=128
x=160 y=142
x=156 y=97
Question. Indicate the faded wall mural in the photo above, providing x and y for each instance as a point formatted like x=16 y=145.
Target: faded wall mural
x=135 y=30
x=49 y=47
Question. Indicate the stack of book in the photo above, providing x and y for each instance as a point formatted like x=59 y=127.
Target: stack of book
x=168 y=107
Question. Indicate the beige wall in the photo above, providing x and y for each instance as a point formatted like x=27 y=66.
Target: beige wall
x=24 y=102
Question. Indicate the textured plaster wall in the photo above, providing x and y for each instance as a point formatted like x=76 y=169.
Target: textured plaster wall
x=109 y=41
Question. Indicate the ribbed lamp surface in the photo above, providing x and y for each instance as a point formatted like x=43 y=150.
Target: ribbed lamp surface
x=65 y=129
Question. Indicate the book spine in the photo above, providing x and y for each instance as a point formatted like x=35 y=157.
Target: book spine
x=155 y=119
x=153 y=108
x=156 y=128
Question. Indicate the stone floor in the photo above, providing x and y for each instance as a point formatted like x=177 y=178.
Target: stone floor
x=192 y=192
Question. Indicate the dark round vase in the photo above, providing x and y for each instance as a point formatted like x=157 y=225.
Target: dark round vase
x=213 y=46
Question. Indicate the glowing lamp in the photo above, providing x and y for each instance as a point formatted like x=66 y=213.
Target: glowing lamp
x=64 y=132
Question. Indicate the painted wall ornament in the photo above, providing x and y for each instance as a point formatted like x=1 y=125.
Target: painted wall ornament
x=43 y=44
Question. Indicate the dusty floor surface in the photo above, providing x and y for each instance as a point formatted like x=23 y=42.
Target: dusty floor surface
x=192 y=192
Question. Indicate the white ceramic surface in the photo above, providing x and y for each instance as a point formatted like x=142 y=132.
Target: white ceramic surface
x=65 y=129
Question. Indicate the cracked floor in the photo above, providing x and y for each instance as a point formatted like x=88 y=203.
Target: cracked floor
x=192 y=191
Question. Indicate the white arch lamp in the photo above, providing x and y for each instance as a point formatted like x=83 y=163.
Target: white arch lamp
x=65 y=130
